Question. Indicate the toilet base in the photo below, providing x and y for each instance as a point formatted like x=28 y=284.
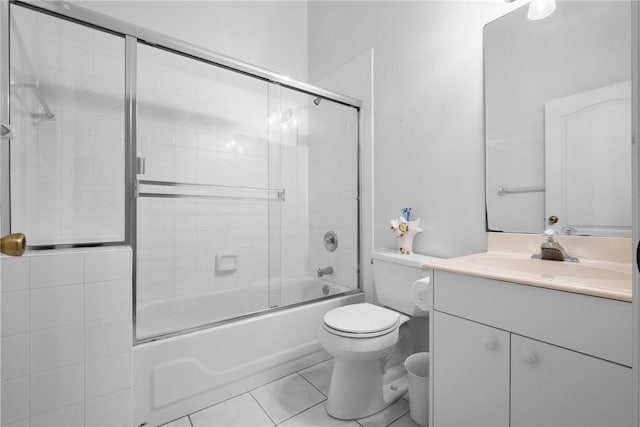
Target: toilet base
x=357 y=389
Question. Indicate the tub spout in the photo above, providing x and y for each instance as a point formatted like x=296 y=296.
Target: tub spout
x=325 y=271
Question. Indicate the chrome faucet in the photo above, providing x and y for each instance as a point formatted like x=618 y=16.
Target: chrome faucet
x=324 y=271
x=552 y=250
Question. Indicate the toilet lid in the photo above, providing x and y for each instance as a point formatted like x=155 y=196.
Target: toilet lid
x=362 y=318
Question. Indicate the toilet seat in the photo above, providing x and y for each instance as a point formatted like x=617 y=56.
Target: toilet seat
x=361 y=321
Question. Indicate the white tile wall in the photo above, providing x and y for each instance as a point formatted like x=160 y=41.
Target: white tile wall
x=56 y=388
x=55 y=307
x=110 y=410
x=57 y=347
x=66 y=338
x=15 y=399
x=69 y=416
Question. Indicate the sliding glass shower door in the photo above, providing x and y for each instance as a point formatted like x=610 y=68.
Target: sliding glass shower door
x=205 y=193
x=239 y=181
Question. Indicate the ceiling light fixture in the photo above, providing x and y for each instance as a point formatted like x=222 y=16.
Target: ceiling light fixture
x=539 y=9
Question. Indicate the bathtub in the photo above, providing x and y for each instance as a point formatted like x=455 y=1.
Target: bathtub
x=182 y=374
x=177 y=314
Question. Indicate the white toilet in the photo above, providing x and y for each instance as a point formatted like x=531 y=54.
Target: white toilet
x=362 y=336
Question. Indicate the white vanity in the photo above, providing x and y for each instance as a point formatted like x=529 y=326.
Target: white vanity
x=522 y=342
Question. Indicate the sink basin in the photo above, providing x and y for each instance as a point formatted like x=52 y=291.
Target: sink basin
x=551 y=269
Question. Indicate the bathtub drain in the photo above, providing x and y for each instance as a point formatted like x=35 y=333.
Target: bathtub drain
x=325 y=289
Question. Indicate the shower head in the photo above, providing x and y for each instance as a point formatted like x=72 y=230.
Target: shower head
x=317 y=101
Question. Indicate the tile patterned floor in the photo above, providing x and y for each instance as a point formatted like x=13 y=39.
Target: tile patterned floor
x=297 y=400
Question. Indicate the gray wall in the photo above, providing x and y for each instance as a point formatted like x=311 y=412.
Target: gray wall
x=270 y=34
x=428 y=109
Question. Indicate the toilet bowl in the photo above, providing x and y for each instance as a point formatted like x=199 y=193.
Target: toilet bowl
x=363 y=337
x=359 y=336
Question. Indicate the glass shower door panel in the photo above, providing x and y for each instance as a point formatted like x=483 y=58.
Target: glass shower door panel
x=333 y=171
x=67 y=109
x=317 y=143
x=203 y=205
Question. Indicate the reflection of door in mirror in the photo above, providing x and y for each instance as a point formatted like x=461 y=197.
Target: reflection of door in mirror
x=582 y=46
x=588 y=161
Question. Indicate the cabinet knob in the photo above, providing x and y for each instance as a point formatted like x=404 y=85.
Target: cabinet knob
x=489 y=343
x=529 y=357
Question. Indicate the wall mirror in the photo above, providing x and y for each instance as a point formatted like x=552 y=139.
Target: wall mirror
x=558 y=120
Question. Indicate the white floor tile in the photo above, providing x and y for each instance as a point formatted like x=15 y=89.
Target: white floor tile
x=241 y=411
x=319 y=375
x=386 y=417
x=286 y=397
x=405 y=421
x=182 y=422
x=317 y=416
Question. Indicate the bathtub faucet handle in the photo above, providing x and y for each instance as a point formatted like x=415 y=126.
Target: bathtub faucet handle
x=324 y=271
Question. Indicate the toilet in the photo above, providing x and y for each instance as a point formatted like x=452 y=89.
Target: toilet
x=363 y=337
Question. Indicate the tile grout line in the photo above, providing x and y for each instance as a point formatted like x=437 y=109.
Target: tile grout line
x=313 y=385
x=304 y=410
x=260 y=386
x=261 y=408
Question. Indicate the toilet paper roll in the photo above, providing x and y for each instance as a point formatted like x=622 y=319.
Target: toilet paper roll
x=421 y=293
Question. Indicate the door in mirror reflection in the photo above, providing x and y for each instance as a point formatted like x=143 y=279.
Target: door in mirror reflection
x=588 y=162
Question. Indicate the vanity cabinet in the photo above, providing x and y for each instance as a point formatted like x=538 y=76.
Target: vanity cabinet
x=552 y=386
x=510 y=354
x=472 y=383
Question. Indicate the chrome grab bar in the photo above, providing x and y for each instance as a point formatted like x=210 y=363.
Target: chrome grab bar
x=505 y=191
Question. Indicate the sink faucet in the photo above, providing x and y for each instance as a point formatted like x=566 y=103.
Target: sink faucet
x=324 y=271
x=552 y=250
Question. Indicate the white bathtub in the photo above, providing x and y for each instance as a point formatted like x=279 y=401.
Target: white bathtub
x=179 y=375
x=169 y=315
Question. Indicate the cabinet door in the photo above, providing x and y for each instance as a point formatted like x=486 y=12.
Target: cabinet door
x=470 y=373
x=552 y=386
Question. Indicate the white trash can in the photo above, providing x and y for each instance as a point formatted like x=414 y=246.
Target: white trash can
x=417 y=366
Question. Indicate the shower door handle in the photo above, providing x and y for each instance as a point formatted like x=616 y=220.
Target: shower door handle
x=13 y=244
x=6 y=131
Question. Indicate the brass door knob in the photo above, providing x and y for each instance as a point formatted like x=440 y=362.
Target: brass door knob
x=13 y=244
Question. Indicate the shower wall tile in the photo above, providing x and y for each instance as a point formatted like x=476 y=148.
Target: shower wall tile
x=107 y=337
x=15 y=312
x=15 y=400
x=104 y=300
x=15 y=356
x=56 y=270
x=69 y=416
x=111 y=410
x=54 y=307
x=100 y=267
x=66 y=341
x=56 y=348
x=15 y=274
x=107 y=375
x=56 y=388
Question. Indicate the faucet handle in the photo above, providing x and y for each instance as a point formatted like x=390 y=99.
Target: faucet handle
x=551 y=234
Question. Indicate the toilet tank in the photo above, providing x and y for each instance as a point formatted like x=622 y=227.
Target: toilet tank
x=393 y=276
